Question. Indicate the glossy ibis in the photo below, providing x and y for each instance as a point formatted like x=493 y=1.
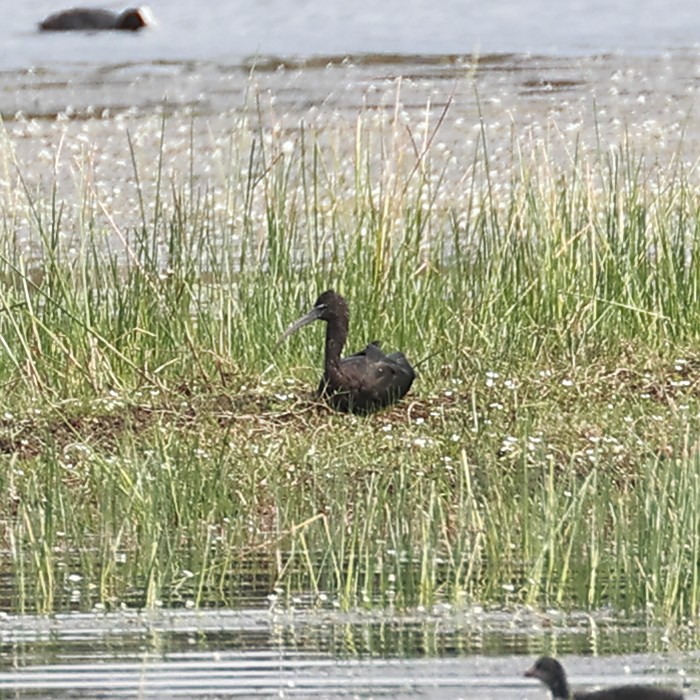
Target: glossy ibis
x=361 y=383
x=552 y=674
x=95 y=19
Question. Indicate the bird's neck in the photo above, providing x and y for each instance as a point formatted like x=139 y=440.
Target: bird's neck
x=560 y=690
x=336 y=335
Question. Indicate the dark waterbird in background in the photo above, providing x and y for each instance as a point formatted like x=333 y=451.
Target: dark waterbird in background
x=552 y=674
x=360 y=383
x=95 y=19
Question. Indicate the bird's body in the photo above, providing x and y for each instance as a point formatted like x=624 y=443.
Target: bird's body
x=367 y=381
x=552 y=674
x=361 y=383
x=95 y=19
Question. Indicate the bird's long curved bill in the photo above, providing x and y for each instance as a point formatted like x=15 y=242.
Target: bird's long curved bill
x=312 y=316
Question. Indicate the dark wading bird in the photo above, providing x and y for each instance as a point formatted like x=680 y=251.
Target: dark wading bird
x=361 y=383
x=552 y=674
x=93 y=19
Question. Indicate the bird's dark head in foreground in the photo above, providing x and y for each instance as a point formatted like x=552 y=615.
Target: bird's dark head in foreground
x=544 y=669
x=552 y=674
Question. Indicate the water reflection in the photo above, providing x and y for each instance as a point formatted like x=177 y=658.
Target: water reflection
x=317 y=653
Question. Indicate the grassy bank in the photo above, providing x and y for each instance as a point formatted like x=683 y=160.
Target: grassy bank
x=157 y=445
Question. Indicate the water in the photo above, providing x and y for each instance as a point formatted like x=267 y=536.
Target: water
x=230 y=31
x=316 y=653
x=72 y=124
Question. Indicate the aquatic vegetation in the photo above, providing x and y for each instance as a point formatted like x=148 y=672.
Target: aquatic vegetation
x=154 y=442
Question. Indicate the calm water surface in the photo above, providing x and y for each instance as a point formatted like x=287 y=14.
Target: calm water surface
x=316 y=653
x=189 y=30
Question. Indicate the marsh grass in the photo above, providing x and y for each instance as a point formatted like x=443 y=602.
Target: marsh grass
x=155 y=438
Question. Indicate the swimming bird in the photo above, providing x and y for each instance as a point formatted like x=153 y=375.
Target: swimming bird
x=361 y=383
x=95 y=19
x=552 y=674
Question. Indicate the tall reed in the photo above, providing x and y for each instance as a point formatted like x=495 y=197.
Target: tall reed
x=155 y=438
